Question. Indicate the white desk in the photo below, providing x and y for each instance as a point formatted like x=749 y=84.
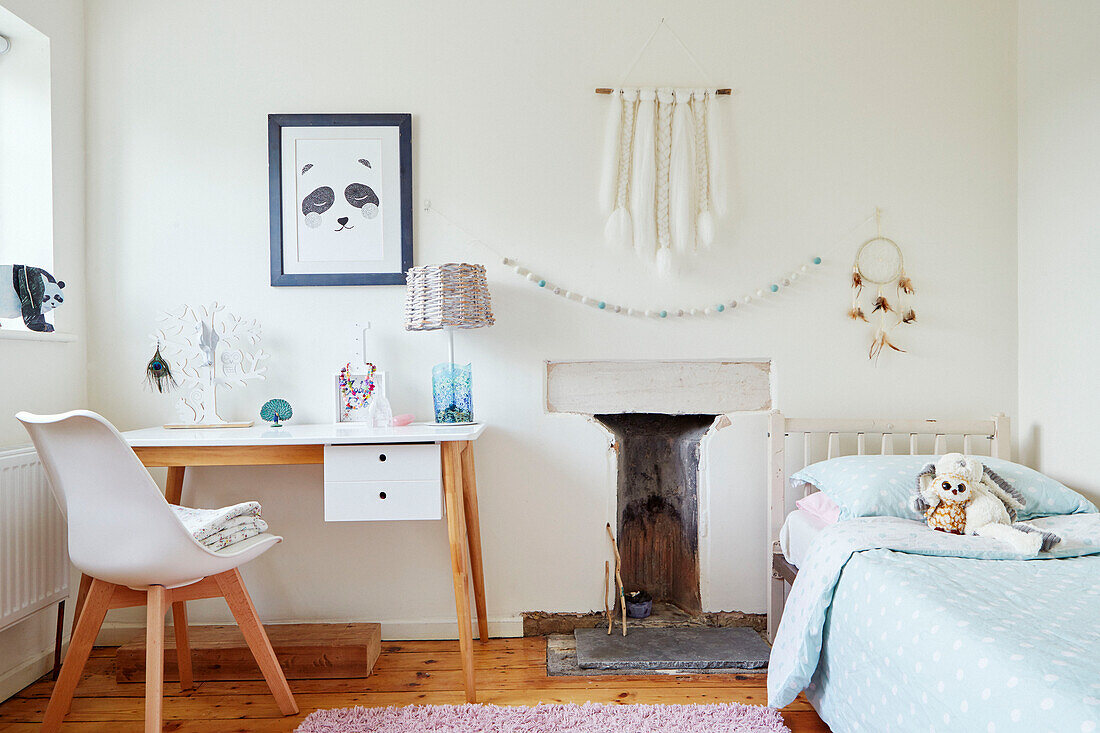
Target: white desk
x=293 y=434
x=295 y=444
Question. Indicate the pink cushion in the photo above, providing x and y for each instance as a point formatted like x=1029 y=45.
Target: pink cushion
x=821 y=506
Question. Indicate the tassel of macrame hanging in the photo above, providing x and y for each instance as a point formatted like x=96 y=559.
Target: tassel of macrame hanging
x=661 y=197
x=643 y=181
x=609 y=172
x=618 y=230
x=704 y=223
x=719 y=202
x=681 y=176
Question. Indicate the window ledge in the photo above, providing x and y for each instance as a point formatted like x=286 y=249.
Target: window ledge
x=12 y=334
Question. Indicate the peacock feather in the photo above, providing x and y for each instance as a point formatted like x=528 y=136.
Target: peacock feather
x=158 y=374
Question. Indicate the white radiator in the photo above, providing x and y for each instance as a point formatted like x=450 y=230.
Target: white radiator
x=34 y=559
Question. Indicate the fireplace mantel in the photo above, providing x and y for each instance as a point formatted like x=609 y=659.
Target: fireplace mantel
x=659 y=412
x=668 y=387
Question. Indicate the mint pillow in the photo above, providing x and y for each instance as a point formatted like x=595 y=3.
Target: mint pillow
x=882 y=486
x=1045 y=496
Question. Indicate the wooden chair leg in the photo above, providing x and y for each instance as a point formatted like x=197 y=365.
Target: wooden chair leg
x=240 y=605
x=473 y=537
x=81 y=596
x=183 y=645
x=154 y=658
x=84 y=633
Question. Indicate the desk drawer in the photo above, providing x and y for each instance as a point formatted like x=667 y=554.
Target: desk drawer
x=409 y=462
x=367 y=501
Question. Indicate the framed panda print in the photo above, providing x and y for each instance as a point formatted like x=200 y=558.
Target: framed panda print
x=340 y=198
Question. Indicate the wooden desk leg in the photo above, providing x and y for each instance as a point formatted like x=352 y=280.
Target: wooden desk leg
x=173 y=491
x=456 y=528
x=183 y=645
x=473 y=536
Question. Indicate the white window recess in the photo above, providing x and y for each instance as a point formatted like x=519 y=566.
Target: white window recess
x=26 y=148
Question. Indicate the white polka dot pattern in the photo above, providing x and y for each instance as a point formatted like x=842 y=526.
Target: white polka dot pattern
x=890 y=627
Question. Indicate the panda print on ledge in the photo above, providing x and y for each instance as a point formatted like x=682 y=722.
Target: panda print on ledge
x=340 y=214
x=29 y=292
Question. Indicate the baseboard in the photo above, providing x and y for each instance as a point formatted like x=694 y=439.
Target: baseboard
x=25 y=674
x=115 y=634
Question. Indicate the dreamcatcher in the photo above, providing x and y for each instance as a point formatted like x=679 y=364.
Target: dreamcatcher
x=879 y=263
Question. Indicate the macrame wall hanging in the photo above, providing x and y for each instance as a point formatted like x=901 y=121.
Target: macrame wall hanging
x=880 y=268
x=663 y=181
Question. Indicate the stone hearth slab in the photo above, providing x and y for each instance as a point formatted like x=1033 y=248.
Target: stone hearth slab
x=671 y=648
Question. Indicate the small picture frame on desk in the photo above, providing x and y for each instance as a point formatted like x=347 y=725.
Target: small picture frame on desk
x=340 y=190
x=351 y=404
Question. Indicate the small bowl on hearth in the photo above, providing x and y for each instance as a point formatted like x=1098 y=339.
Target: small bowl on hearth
x=639 y=604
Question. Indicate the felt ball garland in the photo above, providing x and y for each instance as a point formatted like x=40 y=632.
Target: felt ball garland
x=603 y=305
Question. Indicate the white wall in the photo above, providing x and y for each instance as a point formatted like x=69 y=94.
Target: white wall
x=38 y=376
x=1059 y=222
x=840 y=106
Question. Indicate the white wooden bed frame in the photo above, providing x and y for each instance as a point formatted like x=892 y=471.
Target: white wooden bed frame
x=961 y=433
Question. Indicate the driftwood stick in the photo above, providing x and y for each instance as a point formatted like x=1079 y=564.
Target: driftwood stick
x=606 y=590
x=618 y=573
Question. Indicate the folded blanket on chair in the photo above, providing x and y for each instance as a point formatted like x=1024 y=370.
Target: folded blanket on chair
x=219 y=528
x=237 y=532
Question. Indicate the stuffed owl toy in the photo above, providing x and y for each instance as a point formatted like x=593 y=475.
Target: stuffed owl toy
x=958 y=494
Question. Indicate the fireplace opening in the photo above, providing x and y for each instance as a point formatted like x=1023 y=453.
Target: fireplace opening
x=658 y=503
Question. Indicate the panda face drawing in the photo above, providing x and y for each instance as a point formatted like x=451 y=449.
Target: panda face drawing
x=52 y=296
x=358 y=195
x=339 y=211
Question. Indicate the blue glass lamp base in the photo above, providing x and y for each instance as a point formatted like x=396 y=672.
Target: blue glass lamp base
x=452 y=393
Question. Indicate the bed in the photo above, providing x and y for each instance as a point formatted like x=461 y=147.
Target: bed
x=890 y=627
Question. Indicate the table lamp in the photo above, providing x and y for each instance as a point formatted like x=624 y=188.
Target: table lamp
x=450 y=296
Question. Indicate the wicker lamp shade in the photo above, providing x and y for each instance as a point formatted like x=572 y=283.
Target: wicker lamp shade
x=454 y=295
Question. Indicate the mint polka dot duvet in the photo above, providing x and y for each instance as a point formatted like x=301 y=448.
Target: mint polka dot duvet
x=892 y=627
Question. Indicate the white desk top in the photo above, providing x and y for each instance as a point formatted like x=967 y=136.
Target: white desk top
x=295 y=434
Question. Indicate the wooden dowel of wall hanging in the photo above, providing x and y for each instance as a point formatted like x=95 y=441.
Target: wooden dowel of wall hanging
x=721 y=92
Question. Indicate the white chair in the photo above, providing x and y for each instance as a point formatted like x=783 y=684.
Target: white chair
x=126 y=538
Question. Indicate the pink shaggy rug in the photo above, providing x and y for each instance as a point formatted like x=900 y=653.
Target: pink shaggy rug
x=589 y=718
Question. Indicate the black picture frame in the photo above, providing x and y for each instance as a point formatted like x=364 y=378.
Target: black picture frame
x=275 y=125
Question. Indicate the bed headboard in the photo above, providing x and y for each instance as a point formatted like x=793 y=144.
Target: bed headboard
x=860 y=437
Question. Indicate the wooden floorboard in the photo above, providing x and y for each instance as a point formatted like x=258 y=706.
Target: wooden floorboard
x=509 y=672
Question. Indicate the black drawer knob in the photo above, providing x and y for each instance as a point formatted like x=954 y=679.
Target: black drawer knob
x=382 y=457
x=381 y=494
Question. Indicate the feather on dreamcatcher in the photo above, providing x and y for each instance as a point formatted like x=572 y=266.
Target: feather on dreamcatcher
x=879 y=268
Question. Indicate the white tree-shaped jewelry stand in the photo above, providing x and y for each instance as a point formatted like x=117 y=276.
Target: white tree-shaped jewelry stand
x=209 y=347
